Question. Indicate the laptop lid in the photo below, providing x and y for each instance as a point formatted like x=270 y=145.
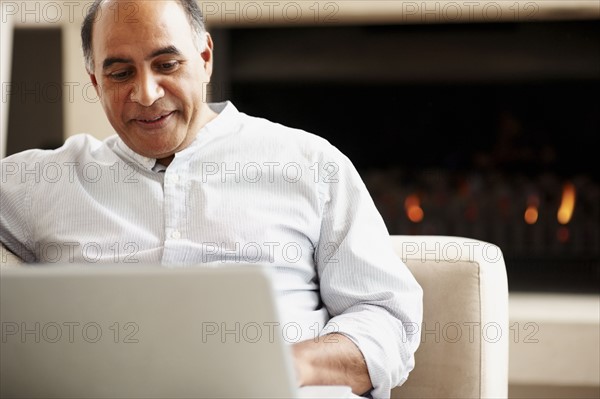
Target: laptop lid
x=143 y=331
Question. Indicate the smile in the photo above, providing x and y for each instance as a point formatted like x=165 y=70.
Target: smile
x=156 y=122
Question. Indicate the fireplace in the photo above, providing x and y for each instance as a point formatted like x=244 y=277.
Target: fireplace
x=478 y=130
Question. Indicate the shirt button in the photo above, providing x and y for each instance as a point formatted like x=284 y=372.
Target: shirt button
x=176 y=235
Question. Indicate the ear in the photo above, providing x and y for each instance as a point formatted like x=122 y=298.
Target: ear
x=207 y=55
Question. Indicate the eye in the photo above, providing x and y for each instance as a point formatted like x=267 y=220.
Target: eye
x=168 y=66
x=120 y=76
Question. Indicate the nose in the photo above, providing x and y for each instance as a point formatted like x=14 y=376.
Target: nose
x=147 y=89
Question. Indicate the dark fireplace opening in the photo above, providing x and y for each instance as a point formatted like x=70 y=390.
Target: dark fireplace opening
x=501 y=154
x=490 y=162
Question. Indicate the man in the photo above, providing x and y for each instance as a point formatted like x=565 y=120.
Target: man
x=188 y=182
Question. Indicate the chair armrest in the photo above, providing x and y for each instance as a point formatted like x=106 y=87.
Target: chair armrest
x=464 y=335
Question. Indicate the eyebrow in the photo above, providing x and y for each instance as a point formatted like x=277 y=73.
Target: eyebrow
x=116 y=60
x=166 y=50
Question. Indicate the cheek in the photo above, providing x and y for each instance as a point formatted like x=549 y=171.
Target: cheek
x=113 y=101
x=187 y=89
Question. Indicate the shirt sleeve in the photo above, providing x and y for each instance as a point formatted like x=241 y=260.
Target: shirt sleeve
x=17 y=178
x=370 y=294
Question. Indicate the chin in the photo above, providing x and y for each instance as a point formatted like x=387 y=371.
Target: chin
x=154 y=149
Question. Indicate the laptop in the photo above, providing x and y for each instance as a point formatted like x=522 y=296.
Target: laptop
x=81 y=331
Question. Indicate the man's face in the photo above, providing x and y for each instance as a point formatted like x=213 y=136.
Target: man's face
x=149 y=75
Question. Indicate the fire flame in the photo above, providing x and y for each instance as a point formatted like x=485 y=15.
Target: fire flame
x=414 y=212
x=567 y=204
x=531 y=213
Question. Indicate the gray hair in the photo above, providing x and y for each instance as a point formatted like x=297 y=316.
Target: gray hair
x=192 y=11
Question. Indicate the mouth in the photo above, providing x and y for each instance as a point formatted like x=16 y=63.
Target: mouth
x=155 y=122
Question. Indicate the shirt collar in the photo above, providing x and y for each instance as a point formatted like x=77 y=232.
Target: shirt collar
x=226 y=121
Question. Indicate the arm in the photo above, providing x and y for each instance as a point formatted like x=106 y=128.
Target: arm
x=15 y=201
x=331 y=359
x=371 y=296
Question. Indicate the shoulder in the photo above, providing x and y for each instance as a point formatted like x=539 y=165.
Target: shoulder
x=49 y=166
x=72 y=149
x=284 y=138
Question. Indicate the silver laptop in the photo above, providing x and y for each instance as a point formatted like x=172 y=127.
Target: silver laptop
x=144 y=332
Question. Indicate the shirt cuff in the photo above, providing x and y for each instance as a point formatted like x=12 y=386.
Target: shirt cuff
x=387 y=349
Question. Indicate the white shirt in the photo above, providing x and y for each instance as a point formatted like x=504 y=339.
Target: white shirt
x=245 y=191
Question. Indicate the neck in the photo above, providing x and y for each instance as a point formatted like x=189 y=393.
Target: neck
x=209 y=115
x=166 y=161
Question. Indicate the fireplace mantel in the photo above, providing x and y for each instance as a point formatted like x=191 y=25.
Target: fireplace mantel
x=286 y=13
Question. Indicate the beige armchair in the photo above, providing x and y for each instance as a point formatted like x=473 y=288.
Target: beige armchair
x=464 y=343
x=7 y=258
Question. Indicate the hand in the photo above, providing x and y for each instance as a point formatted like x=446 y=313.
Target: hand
x=331 y=359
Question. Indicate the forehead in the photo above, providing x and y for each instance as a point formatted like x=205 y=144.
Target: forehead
x=139 y=23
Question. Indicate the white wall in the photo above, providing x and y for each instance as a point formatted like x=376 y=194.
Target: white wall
x=82 y=110
x=6 y=30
